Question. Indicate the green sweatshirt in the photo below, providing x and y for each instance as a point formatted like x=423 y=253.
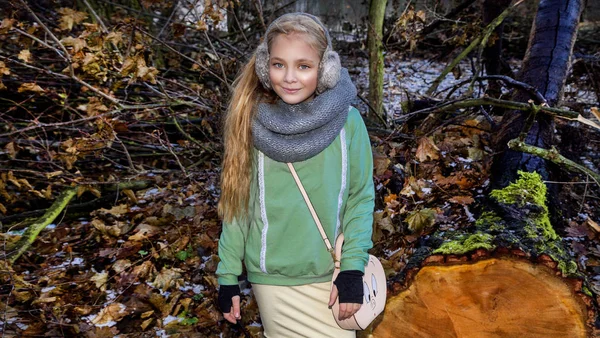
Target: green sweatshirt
x=279 y=241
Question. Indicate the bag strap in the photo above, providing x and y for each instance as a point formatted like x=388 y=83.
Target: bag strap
x=312 y=212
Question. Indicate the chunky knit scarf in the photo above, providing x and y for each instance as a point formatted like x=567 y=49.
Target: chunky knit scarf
x=297 y=132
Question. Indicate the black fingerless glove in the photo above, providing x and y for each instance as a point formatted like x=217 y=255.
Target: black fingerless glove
x=350 y=286
x=226 y=292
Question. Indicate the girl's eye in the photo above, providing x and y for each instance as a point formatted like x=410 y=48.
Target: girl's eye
x=277 y=65
x=304 y=67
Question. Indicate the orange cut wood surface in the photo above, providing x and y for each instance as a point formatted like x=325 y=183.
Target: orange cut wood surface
x=489 y=298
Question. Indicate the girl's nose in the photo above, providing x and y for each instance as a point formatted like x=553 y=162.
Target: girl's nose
x=290 y=75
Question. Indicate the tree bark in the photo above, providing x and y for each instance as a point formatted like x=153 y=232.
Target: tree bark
x=545 y=67
x=375 y=45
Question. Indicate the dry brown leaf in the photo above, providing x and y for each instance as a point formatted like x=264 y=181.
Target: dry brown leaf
x=76 y=43
x=121 y=265
x=3 y=69
x=6 y=25
x=143 y=232
x=11 y=150
x=100 y=279
x=380 y=163
x=596 y=112
x=464 y=200
x=30 y=87
x=413 y=187
x=427 y=150
x=70 y=17
x=3 y=209
x=593 y=224
x=25 y=56
x=145 y=270
x=116 y=230
x=146 y=323
x=2 y=86
x=110 y=315
x=114 y=37
x=383 y=223
x=168 y=278
x=131 y=195
x=117 y=210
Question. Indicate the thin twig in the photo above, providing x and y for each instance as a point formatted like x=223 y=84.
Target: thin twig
x=219 y=58
x=67 y=55
x=102 y=25
x=183 y=55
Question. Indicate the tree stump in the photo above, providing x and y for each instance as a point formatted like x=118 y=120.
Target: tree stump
x=498 y=297
x=508 y=275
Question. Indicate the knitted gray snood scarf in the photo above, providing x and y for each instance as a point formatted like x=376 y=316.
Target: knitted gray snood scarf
x=296 y=132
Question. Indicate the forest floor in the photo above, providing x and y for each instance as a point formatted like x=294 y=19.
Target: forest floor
x=143 y=264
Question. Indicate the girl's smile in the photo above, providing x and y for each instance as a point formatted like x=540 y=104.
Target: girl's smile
x=293 y=68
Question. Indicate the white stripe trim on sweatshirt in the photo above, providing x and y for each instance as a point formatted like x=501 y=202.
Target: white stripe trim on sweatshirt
x=263 y=211
x=343 y=183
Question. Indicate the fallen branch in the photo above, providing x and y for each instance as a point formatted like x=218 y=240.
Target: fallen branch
x=488 y=101
x=552 y=155
x=34 y=230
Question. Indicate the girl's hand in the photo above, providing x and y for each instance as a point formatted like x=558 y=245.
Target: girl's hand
x=350 y=286
x=229 y=302
x=347 y=310
x=234 y=314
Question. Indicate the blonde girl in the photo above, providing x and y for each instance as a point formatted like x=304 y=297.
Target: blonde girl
x=291 y=103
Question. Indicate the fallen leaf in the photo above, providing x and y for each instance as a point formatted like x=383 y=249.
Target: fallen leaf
x=30 y=87
x=70 y=17
x=116 y=230
x=117 y=210
x=168 y=278
x=110 y=315
x=383 y=222
x=596 y=112
x=464 y=200
x=593 y=224
x=380 y=163
x=427 y=150
x=3 y=69
x=25 y=56
x=146 y=323
x=6 y=25
x=76 y=43
x=121 y=265
x=144 y=231
x=420 y=219
x=100 y=279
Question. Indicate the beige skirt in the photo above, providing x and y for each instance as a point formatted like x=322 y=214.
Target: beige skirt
x=297 y=311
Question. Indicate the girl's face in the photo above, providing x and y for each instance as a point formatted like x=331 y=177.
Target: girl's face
x=293 y=68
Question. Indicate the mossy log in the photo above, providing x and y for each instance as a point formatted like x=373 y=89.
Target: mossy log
x=34 y=229
x=509 y=275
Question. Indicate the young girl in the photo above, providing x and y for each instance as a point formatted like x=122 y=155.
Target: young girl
x=291 y=103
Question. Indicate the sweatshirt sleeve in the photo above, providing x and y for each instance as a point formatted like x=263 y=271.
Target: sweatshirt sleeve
x=231 y=252
x=358 y=213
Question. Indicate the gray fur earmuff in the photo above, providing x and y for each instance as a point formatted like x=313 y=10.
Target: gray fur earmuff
x=329 y=67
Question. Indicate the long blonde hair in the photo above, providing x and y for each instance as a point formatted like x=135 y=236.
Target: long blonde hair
x=237 y=131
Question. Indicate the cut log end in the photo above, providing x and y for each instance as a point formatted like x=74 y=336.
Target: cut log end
x=500 y=297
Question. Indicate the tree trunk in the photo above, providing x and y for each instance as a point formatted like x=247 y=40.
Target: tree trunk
x=375 y=33
x=493 y=53
x=545 y=67
x=508 y=276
